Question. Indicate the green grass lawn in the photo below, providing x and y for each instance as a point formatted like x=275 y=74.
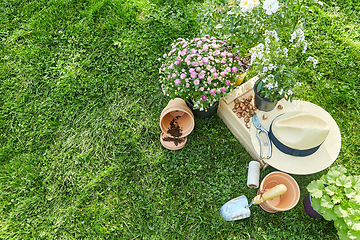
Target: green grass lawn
x=80 y=101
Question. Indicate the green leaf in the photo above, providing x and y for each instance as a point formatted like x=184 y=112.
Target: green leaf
x=331 y=190
x=350 y=193
x=343 y=234
x=315 y=188
x=340 y=211
x=343 y=181
x=326 y=202
x=340 y=224
x=329 y=215
x=354 y=234
x=315 y=203
x=355 y=182
x=332 y=175
x=336 y=199
x=353 y=222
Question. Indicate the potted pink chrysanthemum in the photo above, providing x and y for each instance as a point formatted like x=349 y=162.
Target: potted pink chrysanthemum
x=200 y=71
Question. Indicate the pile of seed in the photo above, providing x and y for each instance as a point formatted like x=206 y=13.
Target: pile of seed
x=244 y=108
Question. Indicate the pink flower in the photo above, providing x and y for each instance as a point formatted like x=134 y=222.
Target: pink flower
x=223 y=54
x=228 y=69
x=208 y=67
x=193 y=75
x=223 y=74
x=205 y=47
x=223 y=89
x=177 y=62
x=191 y=70
x=216 y=52
x=195 y=64
x=215 y=75
x=205 y=60
x=187 y=85
x=201 y=75
x=227 y=82
x=198 y=69
x=215 y=84
x=204 y=97
x=209 y=79
x=171 y=66
x=173 y=75
x=218 y=91
x=177 y=81
x=193 y=51
x=201 y=88
x=223 y=60
x=213 y=91
x=230 y=55
x=234 y=69
x=196 y=82
x=184 y=52
x=199 y=43
x=183 y=75
x=169 y=76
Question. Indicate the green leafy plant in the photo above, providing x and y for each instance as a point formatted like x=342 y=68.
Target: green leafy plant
x=337 y=197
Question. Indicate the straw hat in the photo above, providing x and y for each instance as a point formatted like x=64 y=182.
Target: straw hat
x=305 y=138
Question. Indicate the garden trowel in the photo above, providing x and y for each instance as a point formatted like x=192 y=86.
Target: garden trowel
x=239 y=208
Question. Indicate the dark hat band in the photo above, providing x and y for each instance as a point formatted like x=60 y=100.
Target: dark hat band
x=291 y=151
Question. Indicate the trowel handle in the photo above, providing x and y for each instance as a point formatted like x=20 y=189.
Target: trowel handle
x=271 y=193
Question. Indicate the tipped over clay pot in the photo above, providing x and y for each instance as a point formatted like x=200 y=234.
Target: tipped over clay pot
x=177 y=119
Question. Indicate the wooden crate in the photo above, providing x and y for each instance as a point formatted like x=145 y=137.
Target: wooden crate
x=235 y=124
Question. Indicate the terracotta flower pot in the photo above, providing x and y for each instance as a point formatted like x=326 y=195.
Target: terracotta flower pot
x=284 y=202
x=177 y=119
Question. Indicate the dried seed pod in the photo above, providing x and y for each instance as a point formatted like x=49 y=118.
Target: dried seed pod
x=280 y=106
x=239 y=110
x=234 y=110
x=247 y=119
x=237 y=105
x=252 y=112
x=241 y=105
x=239 y=115
x=246 y=125
x=243 y=114
x=236 y=101
x=247 y=110
x=265 y=116
x=243 y=108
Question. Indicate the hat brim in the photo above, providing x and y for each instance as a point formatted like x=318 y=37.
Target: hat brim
x=321 y=159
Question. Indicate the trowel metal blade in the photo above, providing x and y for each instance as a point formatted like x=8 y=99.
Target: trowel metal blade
x=235 y=209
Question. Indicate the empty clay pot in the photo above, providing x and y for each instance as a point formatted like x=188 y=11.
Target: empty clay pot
x=286 y=201
x=177 y=119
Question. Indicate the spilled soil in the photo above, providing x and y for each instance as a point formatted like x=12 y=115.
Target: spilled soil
x=175 y=131
x=176 y=141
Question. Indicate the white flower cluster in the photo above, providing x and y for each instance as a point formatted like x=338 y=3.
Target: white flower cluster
x=271 y=6
x=248 y=5
x=301 y=39
x=313 y=60
x=319 y=2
